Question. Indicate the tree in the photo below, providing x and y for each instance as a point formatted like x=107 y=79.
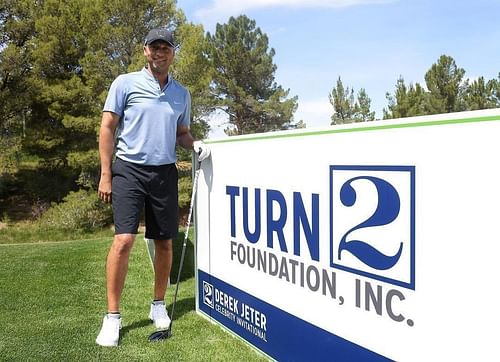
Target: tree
x=495 y=84
x=344 y=105
x=407 y=101
x=193 y=69
x=347 y=109
x=57 y=61
x=81 y=47
x=445 y=86
x=447 y=92
x=364 y=114
x=17 y=26
x=243 y=81
x=481 y=94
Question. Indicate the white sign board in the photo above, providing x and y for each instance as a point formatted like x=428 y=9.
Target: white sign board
x=373 y=241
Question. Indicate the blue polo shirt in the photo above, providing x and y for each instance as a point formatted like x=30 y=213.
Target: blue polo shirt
x=149 y=117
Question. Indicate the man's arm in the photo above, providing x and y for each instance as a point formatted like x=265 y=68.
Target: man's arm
x=186 y=140
x=184 y=137
x=109 y=123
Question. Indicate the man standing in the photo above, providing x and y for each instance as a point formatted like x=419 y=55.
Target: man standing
x=148 y=112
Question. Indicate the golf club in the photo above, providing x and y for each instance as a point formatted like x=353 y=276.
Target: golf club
x=167 y=333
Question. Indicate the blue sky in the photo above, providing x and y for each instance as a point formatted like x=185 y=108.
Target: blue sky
x=368 y=43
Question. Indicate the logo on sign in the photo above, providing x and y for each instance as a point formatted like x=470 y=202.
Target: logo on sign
x=208 y=294
x=372 y=222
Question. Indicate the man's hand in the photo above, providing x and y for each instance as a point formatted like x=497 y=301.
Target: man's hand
x=201 y=149
x=104 y=190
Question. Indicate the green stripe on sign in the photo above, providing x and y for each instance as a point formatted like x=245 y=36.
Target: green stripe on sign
x=270 y=135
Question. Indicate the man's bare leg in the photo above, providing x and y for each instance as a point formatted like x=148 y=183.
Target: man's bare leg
x=162 y=264
x=116 y=269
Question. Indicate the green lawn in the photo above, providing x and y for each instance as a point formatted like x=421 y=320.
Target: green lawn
x=52 y=300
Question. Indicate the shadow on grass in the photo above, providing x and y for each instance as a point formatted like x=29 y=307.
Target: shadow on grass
x=181 y=307
x=138 y=324
x=189 y=265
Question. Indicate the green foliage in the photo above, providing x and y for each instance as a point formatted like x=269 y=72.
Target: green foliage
x=57 y=60
x=481 y=94
x=25 y=192
x=347 y=109
x=17 y=26
x=342 y=100
x=244 y=79
x=185 y=190
x=447 y=91
x=80 y=210
x=192 y=68
x=30 y=232
x=194 y=71
x=365 y=114
x=9 y=157
x=444 y=83
x=407 y=101
x=86 y=162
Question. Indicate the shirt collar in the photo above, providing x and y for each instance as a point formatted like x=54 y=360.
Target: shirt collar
x=150 y=76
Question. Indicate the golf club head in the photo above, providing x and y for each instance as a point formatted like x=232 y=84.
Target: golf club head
x=158 y=336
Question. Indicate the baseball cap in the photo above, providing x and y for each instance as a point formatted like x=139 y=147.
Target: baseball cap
x=160 y=34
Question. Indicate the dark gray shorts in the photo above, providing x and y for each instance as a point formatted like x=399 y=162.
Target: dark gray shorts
x=153 y=188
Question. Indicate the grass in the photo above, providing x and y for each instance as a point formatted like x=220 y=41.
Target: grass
x=52 y=298
x=29 y=232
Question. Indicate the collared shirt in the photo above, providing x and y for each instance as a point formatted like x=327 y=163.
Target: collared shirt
x=149 y=117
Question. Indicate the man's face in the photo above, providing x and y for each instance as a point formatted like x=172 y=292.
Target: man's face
x=159 y=56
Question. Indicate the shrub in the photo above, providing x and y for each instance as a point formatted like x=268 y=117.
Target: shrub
x=185 y=190
x=79 y=211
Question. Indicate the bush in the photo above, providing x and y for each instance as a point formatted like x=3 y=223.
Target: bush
x=185 y=190
x=79 y=211
x=38 y=183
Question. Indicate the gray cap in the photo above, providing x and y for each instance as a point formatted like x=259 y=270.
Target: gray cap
x=160 y=34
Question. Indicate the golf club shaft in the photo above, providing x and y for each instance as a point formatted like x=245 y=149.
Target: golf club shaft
x=186 y=233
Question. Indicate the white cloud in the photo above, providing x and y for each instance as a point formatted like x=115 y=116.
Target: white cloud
x=220 y=9
x=238 y=6
x=314 y=113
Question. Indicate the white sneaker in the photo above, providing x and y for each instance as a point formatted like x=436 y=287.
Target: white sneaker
x=158 y=314
x=110 y=332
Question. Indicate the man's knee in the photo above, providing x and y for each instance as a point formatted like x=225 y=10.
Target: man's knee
x=122 y=243
x=163 y=245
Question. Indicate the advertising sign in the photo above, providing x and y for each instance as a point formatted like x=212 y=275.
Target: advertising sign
x=360 y=242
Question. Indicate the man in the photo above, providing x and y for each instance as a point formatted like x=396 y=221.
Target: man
x=148 y=112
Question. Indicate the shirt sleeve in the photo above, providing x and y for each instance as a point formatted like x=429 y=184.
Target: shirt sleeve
x=185 y=118
x=115 y=101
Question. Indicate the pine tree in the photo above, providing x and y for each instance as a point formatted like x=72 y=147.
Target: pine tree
x=407 y=101
x=347 y=108
x=364 y=113
x=244 y=79
x=445 y=86
x=58 y=59
x=480 y=94
x=343 y=102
